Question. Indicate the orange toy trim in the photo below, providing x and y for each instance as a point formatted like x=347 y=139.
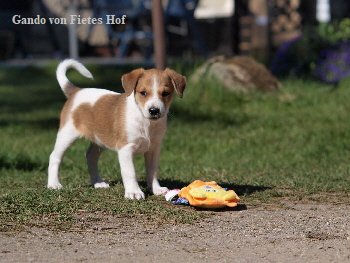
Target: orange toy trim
x=208 y=195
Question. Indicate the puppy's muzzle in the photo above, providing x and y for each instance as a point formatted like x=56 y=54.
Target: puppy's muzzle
x=154 y=112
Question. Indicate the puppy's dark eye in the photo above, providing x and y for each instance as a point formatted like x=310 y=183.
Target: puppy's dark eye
x=165 y=94
x=143 y=93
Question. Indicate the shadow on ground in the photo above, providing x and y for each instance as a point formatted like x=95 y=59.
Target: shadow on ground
x=177 y=184
x=20 y=162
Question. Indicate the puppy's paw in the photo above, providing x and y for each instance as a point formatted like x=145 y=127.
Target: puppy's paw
x=55 y=186
x=138 y=194
x=160 y=190
x=101 y=185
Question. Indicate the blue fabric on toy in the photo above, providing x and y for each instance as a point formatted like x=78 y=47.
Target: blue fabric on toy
x=181 y=201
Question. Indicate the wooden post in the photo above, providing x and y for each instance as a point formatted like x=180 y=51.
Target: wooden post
x=73 y=32
x=158 y=34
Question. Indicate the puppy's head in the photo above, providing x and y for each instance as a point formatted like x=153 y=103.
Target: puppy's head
x=153 y=90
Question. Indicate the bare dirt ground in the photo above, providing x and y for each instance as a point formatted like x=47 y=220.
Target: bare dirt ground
x=291 y=233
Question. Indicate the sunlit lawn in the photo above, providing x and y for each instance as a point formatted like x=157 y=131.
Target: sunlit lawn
x=290 y=143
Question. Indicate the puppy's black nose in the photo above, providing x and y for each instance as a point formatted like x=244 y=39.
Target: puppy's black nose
x=154 y=111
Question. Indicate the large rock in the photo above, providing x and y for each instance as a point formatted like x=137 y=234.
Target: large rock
x=238 y=73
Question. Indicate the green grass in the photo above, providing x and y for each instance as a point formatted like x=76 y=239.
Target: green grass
x=294 y=143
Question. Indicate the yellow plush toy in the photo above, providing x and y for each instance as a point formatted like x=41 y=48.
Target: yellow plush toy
x=208 y=195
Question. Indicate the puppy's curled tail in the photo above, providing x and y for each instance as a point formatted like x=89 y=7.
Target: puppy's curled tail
x=67 y=87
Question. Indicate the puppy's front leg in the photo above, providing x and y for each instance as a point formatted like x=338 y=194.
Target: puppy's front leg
x=151 y=160
x=126 y=161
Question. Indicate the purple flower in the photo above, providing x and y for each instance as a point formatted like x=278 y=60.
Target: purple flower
x=333 y=64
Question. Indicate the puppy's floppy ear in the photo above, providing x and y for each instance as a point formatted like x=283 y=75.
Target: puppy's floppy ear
x=178 y=81
x=129 y=80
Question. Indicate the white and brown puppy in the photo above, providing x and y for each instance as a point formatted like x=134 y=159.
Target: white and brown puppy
x=130 y=123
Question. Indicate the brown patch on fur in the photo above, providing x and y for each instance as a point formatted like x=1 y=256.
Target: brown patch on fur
x=67 y=108
x=167 y=99
x=144 y=82
x=167 y=80
x=130 y=80
x=178 y=81
x=105 y=119
x=69 y=89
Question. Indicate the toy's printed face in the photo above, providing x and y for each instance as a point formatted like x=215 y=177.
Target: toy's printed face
x=211 y=192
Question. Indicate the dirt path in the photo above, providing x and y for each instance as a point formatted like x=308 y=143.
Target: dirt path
x=297 y=233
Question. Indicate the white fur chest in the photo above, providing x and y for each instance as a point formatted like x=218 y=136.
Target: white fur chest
x=142 y=132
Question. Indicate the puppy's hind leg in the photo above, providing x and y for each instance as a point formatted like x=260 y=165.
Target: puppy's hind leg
x=92 y=156
x=65 y=138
